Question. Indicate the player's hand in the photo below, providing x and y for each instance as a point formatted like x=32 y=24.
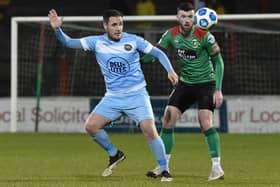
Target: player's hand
x=55 y=21
x=173 y=77
x=218 y=98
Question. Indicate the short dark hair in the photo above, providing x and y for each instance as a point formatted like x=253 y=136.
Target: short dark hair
x=111 y=13
x=185 y=6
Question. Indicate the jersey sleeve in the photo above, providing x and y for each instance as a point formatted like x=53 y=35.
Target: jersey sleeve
x=211 y=45
x=165 y=39
x=163 y=43
x=66 y=40
x=214 y=52
x=88 y=43
x=143 y=45
x=219 y=69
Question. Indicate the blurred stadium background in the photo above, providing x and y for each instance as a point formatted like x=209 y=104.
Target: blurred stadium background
x=11 y=8
x=72 y=84
x=250 y=49
x=251 y=81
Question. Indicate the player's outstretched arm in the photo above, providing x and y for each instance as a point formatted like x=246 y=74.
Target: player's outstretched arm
x=163 y=59
x=56 y=23
x=148 y=59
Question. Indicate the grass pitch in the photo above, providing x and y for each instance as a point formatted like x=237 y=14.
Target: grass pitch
x=73 y=160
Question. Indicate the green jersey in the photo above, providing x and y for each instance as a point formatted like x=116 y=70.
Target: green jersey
x=193 y=54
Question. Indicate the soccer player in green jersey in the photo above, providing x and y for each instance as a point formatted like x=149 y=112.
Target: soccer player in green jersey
x=201 y=73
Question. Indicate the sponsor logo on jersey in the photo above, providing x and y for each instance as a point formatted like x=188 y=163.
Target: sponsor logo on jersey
x=127 y=47
x=118 y=66
x=211 y=39
x=186 y=54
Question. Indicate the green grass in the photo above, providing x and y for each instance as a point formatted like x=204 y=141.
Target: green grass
x=73 y=160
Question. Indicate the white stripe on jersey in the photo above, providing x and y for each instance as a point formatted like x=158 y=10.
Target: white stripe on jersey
x=148 y=48
x=125 y=91
x=102 y=47
x=84 y=44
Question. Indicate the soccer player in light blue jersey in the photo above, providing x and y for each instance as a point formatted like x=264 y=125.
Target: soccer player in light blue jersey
x=117 y=54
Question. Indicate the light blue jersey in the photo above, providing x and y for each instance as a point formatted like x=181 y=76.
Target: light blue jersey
x=119 y=61
x=120 y=66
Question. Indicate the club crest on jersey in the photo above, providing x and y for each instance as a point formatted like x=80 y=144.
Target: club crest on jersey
x=118 y=66
x=194 y=43
x=127 y=47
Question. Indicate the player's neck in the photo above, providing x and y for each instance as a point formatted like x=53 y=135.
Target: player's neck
x=185 y=33
x=112 y=39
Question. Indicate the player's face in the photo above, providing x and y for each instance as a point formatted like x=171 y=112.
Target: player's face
x=114 y=27
x=185 y=19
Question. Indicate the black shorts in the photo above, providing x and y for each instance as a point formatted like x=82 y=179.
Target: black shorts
x=185 y=95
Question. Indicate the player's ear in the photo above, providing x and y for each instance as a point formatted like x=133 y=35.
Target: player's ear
x=177 y=17
x=105 y=26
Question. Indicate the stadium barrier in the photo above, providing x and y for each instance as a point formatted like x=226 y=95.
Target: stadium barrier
x=239 y=114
